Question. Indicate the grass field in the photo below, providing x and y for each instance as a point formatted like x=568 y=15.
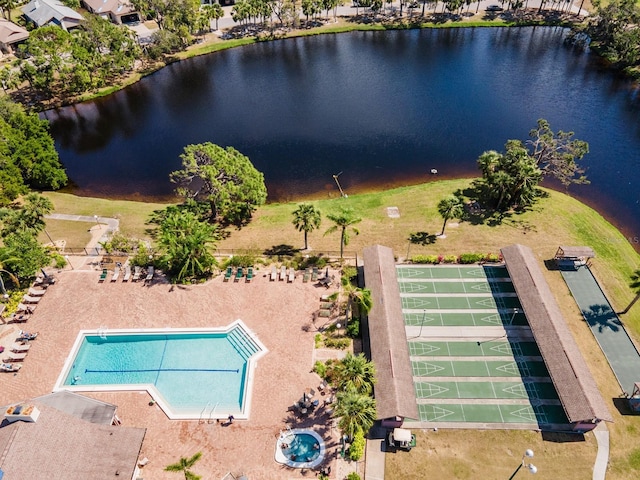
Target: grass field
x=555 y=220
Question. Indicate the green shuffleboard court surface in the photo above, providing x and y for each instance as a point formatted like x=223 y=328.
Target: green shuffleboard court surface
x=487 y=390
x=464 y=319
x=430 y=286
x=478 y=368
x=473 y=349
x=493 y=413
x=461 y=302
x=431 y=271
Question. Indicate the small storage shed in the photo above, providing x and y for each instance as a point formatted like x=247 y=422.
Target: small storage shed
x=573 y=257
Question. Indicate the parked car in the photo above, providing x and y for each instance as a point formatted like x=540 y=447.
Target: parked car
x=494 y=8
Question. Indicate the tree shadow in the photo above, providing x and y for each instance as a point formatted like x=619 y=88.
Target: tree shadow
x=603 y=317
x=282 y=250
x=422 y=238
x=562 y=437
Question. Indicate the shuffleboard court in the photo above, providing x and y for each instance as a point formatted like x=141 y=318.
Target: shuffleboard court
x=476 y=271
x=478 y=368
x=488 y=413
x=473 y=349
x=461 y=302
x=462 y=319
x=429 y=286
x=484 y=390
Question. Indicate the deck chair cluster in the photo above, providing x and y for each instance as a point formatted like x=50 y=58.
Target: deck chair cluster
x=17 y=352
x=30 y=300
x=282 y=274
x=127 y=274
x=239 y=273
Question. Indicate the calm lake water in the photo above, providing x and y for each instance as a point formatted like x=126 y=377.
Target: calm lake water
x=383 y=108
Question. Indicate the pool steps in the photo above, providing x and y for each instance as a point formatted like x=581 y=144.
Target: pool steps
x=243 y=344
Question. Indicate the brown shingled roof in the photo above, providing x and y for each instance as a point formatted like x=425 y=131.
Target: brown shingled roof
x=59 y=446
x=571 y=377
x=575 y=252
x=394 y=390
x=11 y=33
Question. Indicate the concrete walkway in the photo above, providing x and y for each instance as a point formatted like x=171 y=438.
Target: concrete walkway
x=601 y=433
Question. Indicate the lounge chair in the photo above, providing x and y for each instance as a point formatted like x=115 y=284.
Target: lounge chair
x=307 y=275
x=274 y=273
x=314 y=274
x=283 y=273
x=9 y=367
x=324 y=313
x=103 y=275
x=150 y=272
x=36 y=292
x=249 y=274
x=322 y=386
x=137 y=272
x=14 y=357
x=228 y=274
x=127 y=274
x=292 y=275
x=22 y=308
x=239 y=274
x=326 y=305
x=25 y=336
x=29 y=299
x=20 y=347
x=116 y=274
x=18 y=318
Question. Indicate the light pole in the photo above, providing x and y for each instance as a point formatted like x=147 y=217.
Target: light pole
x=530 y=466
x=66 y=257
x=95 y=217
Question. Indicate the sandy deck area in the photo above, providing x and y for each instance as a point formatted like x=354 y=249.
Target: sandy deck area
x=279 y=313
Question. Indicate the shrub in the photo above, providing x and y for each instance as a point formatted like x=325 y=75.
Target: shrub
x=318 y=340
x=471 y=257
x=433 y=259
x=320 y=367
x=450 y=259
x=246 y=260
x=349 y=275
x=356 y=450
x=353 y=476
x=119 y=243
x=338 y=343
x=492 y=257
x=353 y=328
x=141 y=258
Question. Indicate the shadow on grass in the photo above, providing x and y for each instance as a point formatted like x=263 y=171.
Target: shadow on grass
x=562 y=437
x=422 y=238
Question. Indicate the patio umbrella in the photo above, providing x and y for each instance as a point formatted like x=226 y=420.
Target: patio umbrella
x=326 y=273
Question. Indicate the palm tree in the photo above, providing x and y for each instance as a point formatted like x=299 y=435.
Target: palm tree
x=357 y=412
x=28 y=218
x=343 y=219
x=184 y=465
x=450 y=207
x=355 y=373
x=635 y=286
x=357 y=297
x=306 y=219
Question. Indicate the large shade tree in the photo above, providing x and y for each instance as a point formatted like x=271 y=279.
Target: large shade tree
x=186 y=244
x=355 y=373
x=357 y=412
x=306 y=218
x=28 y=217
x=510 y=179
x=344 y=221
x=224 y=179
x=450 y=207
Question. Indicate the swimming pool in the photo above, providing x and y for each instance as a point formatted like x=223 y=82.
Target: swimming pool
x=201 y=374
x=300 y=448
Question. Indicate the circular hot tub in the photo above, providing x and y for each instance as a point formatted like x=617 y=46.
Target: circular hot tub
x=300 y=448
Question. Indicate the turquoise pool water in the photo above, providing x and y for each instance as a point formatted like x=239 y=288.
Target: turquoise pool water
x=199 y=374
x=303 y=448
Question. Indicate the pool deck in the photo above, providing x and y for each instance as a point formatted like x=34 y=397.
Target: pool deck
x=279 y=313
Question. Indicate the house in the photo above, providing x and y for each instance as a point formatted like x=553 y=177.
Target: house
x=51 y=12
x=67 y=436
x=118 y=11
x=10 y=35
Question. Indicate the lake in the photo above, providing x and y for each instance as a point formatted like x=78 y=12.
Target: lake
x=379 y=108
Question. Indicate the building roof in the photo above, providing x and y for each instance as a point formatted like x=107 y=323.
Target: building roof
x=571 y=377
x=42 y=12
x=85 y=408
x=117 y=7
x=394 y=390
x=59 y=446
x=575 y=252
x=11 y=33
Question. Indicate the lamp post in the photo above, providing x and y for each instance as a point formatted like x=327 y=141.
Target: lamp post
x=530 y=466
x=95 y=217
x=66 y=257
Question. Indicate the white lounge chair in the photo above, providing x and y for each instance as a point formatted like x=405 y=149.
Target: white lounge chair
x=14 y=357
x=274 y=273
x=292 y=275
x=29 y=299
x=116 y=274
x=20 y=347
x=22 y=308
x=283 y=273
x=9 y=367
x=36 y=292
x=150 y=272
x=137 y=271
x=127 y=274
